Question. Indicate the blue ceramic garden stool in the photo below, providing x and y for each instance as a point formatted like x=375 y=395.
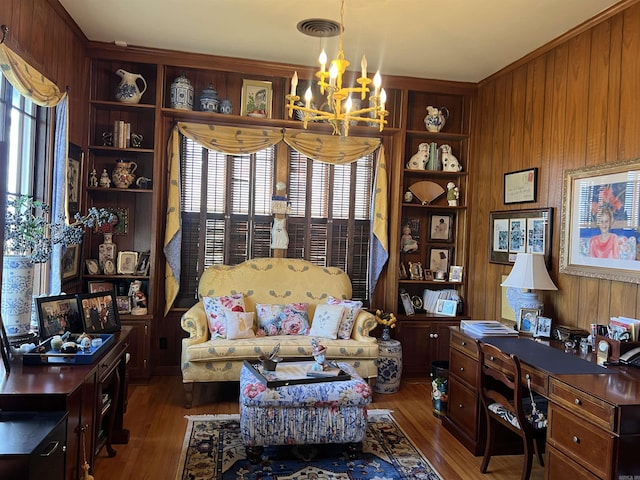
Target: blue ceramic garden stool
x=389 y=366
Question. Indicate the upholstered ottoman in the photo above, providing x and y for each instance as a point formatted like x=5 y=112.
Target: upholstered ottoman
x=303 y=414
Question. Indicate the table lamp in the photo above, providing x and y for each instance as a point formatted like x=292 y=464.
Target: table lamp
x=529 y=272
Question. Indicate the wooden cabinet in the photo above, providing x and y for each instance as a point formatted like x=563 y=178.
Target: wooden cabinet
x=140 y=345
x=423 y=342
x=124 y=134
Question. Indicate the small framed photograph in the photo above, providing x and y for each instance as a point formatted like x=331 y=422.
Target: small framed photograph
x=526 y=320
x=57 y=315
x=256 y=99
x=71 y=262
x=99 y=312
x=428 y=275
x=124 y=304
x=109 y=267
x=96 y=287
x=407 y=304
x=127 y=262
x=92 y=266
x=439 y=259
x=455 y=273
x=542 y=327
x=441 y=228
x=415 y=271
x=143 y=263
x=446 y=307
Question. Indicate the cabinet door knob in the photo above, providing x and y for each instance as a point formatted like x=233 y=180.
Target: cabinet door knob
x=460 y=405
x=463 y=343
x=435 y=335
x=575 y=439
x=577 y=401
x=462 y=369
x=491 y=358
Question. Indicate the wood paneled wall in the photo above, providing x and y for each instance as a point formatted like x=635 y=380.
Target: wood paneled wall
x=575 y=105
x=44 y=35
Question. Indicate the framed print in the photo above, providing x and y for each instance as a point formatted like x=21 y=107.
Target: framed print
x=71 y=262
x=415 y=270
x=410 y=239
x=96 y=287
x=92 y=265
x=99 y=312
x=428 y=275
x=446 y=307
x=142 y=268
x=124 y=304
x=74 y=173
x=521 y=186
x=127 y=262
x=439 y=259
x=455 y=273
x=600 y=231
x=515 y=231
x=542 y=327
x=407 y=304
x=256 y=99
x=526 y=320
x=57 y=315
x=441 y=228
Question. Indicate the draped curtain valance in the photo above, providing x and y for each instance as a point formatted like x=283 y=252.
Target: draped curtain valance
x=240 y=140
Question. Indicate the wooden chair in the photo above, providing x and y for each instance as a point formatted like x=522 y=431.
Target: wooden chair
x=506 y=402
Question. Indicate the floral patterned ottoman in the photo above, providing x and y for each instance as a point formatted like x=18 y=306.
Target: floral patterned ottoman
x=303 y=414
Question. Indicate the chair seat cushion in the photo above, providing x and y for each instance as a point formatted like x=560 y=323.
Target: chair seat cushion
x=506 y=414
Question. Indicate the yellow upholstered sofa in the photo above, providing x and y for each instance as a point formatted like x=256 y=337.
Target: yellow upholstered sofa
x=269 y=281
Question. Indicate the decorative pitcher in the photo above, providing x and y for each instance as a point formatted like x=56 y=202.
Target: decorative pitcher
x=128 y=91
x=123 y=173
x=436 y=118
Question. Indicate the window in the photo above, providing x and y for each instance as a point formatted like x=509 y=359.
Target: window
x=226 y=212
x=24 y=127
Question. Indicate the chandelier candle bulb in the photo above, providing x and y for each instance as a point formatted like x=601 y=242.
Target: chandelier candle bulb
x=307 y=97
x=323 y=61
x=294 y=85
x=363 y=64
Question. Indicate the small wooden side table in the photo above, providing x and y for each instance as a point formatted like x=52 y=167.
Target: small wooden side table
x=389 y=366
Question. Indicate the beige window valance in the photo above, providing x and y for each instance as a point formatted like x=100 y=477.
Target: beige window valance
x=245 y=140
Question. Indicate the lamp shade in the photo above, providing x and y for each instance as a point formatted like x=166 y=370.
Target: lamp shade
x=529 y=271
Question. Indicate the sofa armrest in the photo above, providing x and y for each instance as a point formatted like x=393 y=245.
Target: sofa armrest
x=365 y=322
x=194 y=322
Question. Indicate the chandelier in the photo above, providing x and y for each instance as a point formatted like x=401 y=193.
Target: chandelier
x=339 y=104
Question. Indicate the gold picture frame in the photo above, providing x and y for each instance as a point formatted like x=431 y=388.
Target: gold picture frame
x=127 y=263
x=257 y=99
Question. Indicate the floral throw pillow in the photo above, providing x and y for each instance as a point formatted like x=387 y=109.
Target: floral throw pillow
x=289 y=319
x=326 y=321
x=352 y=309
x=216 y=309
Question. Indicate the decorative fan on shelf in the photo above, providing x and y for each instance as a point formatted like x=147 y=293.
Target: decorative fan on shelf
x=426 y=191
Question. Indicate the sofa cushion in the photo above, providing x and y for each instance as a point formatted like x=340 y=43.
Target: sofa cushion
x=282 y=319
x=326 y=321
x=352 y=308
x=240 y=325
x=216 y=309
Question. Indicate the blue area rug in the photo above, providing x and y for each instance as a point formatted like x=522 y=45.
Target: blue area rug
x=213 y=450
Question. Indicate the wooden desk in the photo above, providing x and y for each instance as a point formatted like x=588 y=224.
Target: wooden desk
x=77 y=390
x=594 y=413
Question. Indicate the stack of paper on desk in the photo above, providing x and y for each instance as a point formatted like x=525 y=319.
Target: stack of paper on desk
x=486 y=328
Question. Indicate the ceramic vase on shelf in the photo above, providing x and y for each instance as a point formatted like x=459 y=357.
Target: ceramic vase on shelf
x=181 y=95
x=226 y=107
x=123 y=175
x=436 y=118
x=128 y=91
x=107 y=254
x=17 y=295
x=209 y=99
x=386 y=334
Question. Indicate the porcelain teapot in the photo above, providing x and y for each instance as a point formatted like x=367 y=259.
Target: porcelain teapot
x=128 y=91
x=123 y=175
x=436 y=118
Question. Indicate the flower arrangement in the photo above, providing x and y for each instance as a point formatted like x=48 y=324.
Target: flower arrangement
x=27 y=231
x=387 y=319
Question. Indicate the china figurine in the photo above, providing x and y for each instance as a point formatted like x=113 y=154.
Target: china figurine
x=436 y=118
x=128 y=91
x=319 y=355
x=93 y=178
x=449 y=161
x=453 y=193
x=419 y=159
x=105 y=181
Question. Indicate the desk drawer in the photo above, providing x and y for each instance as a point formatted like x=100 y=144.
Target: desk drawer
x=463 y=407
x=110 y=361
x=583 y=404
x=585 y=443
x=558 y=466
x=464 y=367
x=463 y=343
x=539 y=380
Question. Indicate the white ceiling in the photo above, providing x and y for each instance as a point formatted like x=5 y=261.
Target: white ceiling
x=463 y=40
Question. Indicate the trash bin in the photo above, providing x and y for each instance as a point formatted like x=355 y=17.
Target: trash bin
x=439 y=387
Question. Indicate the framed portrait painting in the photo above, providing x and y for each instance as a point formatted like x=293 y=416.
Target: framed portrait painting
x=256 y=99
x=600 y=231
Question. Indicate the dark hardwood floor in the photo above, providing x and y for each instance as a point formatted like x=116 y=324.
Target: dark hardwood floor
x=155 y=417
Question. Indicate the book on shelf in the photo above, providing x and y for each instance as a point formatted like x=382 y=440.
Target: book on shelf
x=486 y=328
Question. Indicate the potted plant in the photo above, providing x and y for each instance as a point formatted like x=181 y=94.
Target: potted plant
x=29 y=239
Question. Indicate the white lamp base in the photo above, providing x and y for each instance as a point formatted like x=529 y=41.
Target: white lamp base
x=528 y=300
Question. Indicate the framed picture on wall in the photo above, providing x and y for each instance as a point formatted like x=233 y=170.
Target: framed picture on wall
x=71 y=262
x=256 y=99
x=74 y=173
x=521 y=186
